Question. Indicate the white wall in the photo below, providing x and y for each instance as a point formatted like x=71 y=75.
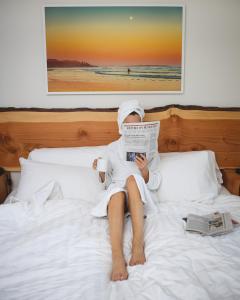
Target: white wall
x=212 y=57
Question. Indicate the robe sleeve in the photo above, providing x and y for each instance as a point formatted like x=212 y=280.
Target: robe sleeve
x=154 y=174
x=108 y=173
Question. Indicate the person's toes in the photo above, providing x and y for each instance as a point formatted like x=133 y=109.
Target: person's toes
x=119 y=270
x=119 y=276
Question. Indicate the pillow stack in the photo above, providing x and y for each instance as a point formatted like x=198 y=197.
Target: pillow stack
x=185 y=176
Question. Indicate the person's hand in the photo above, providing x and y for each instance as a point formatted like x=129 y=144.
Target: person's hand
x=94 y=164
x=141 y=162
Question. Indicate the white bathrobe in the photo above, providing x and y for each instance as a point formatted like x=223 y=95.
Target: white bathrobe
x=115 y=180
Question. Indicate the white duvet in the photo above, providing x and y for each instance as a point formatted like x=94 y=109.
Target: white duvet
x=62 y=252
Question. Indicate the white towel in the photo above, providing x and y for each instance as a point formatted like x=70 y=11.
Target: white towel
x=126 y=108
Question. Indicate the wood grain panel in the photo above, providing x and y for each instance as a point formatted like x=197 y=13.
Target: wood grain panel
x=231 y=181
x=178 y=134
x=181 y=130
x=18 y=139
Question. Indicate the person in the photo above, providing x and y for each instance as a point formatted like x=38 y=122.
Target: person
x=129 y=186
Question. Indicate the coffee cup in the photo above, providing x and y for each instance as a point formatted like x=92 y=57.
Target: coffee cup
x=101 y=165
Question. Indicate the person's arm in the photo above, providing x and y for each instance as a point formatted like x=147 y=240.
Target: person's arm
x=104 y=177
x=150 y=175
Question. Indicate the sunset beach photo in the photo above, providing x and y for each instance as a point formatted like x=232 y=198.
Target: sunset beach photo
x=114 y=49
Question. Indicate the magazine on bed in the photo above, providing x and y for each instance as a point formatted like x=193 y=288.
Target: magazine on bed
x=140 y=138
x=212 y=224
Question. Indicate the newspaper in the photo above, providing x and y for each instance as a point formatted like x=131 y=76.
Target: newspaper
x=212 y=224
x=140 y=138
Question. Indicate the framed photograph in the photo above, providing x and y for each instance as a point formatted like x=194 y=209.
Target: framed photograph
x=114 y=49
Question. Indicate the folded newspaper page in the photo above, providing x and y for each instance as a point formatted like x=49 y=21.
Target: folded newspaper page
x=212 y=224
x=140 y=138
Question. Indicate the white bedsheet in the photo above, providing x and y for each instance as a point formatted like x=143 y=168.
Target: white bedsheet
x=64 y=253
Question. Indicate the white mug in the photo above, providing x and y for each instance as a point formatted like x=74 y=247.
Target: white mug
x=101 y=165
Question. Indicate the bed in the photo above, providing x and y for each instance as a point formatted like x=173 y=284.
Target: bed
x=51 y=246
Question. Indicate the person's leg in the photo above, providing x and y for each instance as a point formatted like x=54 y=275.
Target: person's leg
x=116 y=208
x=135 y=206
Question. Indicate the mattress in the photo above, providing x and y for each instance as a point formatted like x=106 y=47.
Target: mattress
x=62 y=252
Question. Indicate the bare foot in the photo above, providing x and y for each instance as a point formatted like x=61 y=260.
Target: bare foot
x=119 y=269
x=138 y=255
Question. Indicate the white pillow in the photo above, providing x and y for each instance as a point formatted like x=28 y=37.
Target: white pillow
x=75 y=182
x=189 y=153
x=188 y=176
x=75 y=156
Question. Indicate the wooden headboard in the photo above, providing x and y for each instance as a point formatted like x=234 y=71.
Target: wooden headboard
x=183 y=128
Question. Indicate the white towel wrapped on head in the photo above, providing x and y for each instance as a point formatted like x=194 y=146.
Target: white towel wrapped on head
x=126 y=108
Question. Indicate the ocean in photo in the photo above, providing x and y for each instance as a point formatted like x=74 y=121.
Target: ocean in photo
x=131 y=72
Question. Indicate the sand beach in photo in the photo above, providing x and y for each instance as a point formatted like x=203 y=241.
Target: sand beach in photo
x=109 y=80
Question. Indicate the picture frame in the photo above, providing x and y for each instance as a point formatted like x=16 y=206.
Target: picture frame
x=114 y=49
